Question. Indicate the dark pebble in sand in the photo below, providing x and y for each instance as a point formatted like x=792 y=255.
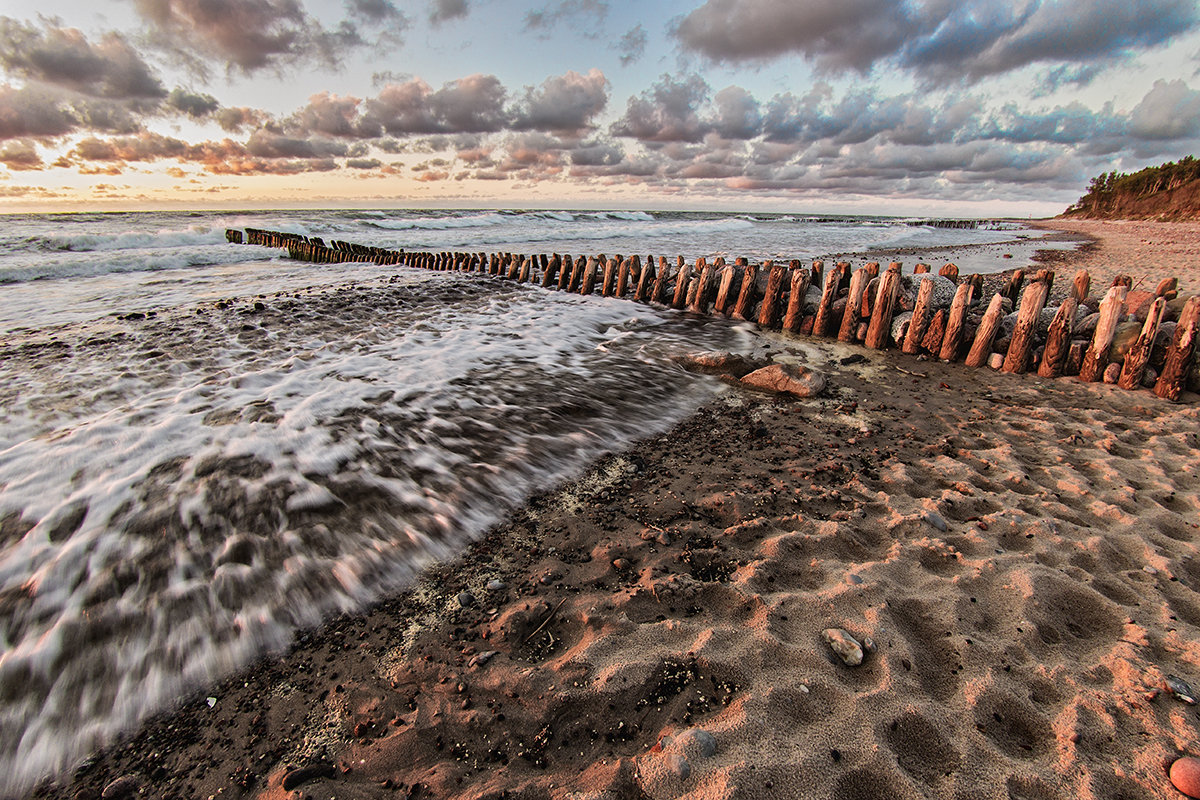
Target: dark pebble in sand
x=124 y=786
x=302 y=775
x=854 y=359
x=466 y=599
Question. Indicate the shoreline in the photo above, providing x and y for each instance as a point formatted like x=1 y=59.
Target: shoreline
x=589 y=568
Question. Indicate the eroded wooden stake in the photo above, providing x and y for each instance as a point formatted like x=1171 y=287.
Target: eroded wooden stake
x=1180 y=353
x=1096 y=358
x=1138 y=356
x=981 y=348
x=1058 y=340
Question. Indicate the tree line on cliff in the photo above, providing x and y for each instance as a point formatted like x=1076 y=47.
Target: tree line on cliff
x=1167 y=191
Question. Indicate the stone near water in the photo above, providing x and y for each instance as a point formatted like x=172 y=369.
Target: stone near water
x=1112 y=373
x=935 y=519
x=845 y=646
x=496 y=585
x=465 y=599
x=122 y=787
x=1185 y=775
x=699 y=743
x=996 y=360
x=787 y=378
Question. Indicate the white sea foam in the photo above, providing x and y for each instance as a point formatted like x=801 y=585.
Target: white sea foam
x=197 y=486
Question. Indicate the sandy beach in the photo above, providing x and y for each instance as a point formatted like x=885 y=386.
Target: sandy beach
x=1020 y=552
x=1146 y=251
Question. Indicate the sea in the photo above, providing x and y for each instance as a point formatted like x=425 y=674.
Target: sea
x=207 y=447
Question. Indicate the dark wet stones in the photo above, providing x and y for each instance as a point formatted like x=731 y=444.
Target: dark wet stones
x=302 y=775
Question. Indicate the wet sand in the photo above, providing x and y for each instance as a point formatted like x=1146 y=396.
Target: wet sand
x=1020 y=551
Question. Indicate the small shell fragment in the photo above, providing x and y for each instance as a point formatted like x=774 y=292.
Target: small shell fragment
x=1180 y=688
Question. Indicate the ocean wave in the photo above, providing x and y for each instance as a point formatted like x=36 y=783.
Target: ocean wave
x=595 y=232
x=134 y=240
x=438 y=223
x=54 y=269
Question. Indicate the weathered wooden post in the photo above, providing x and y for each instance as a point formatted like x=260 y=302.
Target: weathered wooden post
x=589 y=276
x=920 y=269
x=610 y=275
x=920 y=318
x=1181 y=352
x=1123 y=280
x=796 y=297
x=1081 y=285
x=981 y=348
x=726 y=273
x=1016 y=360
x=746 y=297
x=1096 y=358
x=1058 y=339
x=848 y=330
x=768 y=314
x=949 y=271
x=880 y=326
x=825 y=307
x=682 y=279
x=659 y=295
x=698 y=302
x=550 y=276
x=645 y=284
x=1015 y=281
x=932 y=341
x=1138 y=356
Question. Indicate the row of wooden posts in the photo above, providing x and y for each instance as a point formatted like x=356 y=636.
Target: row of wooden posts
x=739 y=291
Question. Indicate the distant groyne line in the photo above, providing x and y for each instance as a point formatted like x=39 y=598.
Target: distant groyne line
x=1126 y=338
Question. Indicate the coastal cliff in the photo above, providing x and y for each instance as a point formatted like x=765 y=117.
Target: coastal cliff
x=1170 y=191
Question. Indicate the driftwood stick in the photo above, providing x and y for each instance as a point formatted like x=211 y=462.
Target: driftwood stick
x=880 y=327
x=851 y=317
x=1096 y=358
x=768 y=315
x=1058 y=340
x=955 y=321
x=920 y=318
x=1138 y=356
x=1032 y=303
x=1181 y=352
x=981 y=348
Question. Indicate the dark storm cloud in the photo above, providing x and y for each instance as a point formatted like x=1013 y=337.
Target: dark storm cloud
x=64 y=57
x=937 y=40
x=737 y=115
x=566 y=102
x=445 y=10
x=268 y=144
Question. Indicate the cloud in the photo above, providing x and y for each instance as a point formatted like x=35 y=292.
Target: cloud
x=586 y=16
x=269 y=144
x=250 y=35
x=474 y=104
x=1169 y=111
x=849 y=34
x=327 y=114
x=64 y=57
x=234 y=120
x=632 y=46
x=446 y=10
x=938 y=41
x=20 y=155
x=667 y=112
x=33 y=112
x=567 y=102
x=364 y=163
x=738 y=115
x=191 y=103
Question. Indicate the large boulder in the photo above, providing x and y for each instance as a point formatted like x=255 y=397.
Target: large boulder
x=943 y=290
x=790 y=379
x=719 y=363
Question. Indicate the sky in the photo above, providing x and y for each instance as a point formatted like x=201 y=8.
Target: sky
x=955 y=108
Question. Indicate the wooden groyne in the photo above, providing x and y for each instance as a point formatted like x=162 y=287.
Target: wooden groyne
x=1126 y=338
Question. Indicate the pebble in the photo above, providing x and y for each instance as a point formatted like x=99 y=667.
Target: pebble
x=466 y=599
x=703 y=741
x=496 y=585
x=844 y=645
x=854 y=579
x=935 y=519
x=124 y=786
x=1185 y=775
x=678 y=764
x=302 y=775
